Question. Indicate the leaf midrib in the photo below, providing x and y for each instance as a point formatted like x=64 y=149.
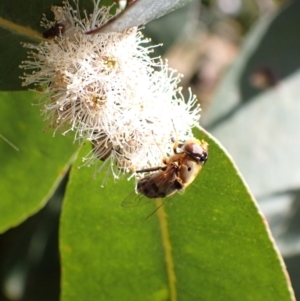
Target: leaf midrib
x=19 y=29
x=167 y=249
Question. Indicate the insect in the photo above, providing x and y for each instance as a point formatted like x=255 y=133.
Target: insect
x=54 y=31
x=178 y=172
x=103 y=149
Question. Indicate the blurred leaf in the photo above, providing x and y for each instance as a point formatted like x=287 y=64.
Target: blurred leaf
x=29 y=261
x=141 y=12
x=20 y=22
x=255 y=114
x=30 y=175
x=28 y=14
x=11 y=56
x=260 y=127
x=210 y=243
x=176 y=24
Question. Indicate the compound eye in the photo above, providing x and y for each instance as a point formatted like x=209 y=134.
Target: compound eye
x=203 y=157
x=196 y=151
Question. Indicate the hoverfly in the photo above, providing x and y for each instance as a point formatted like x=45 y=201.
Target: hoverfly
x=178 y=172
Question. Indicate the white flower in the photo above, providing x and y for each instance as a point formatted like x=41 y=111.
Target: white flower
x=107 y=89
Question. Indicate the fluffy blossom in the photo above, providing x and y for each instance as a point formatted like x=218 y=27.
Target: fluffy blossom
x=106 y=89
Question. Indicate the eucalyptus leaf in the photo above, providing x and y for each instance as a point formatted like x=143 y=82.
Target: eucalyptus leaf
x=209 y=243
x=32 y=161
x=259 y=124
x=141 y=12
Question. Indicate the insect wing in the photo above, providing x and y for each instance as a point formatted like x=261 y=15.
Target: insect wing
x=155 y=185
x=135 y=199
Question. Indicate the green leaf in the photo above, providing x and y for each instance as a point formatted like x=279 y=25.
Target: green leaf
x=209 y=243
x=30 y=174
x=19 y=22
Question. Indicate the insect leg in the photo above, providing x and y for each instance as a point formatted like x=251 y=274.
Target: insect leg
x=156 y=168
x=156 y=209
